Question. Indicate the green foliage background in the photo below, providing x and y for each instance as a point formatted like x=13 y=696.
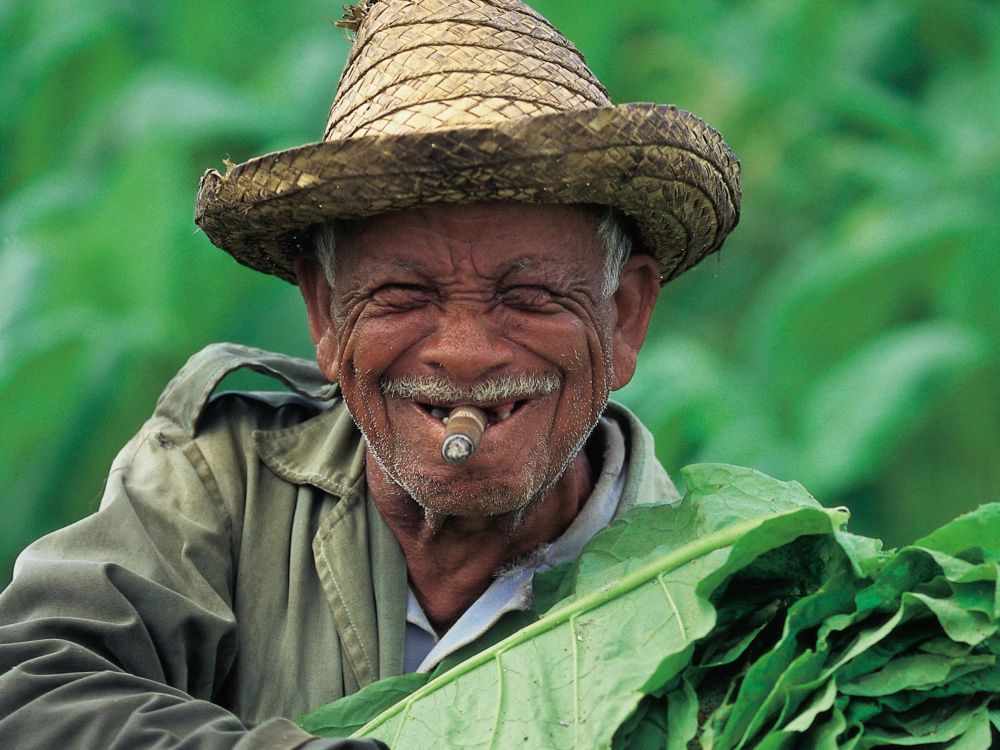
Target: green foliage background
x=848 y=336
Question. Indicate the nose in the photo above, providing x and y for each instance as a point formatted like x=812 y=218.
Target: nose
x=467 y=346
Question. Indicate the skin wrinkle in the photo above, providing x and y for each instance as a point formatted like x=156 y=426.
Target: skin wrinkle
x=612 y=232
x=443 y=303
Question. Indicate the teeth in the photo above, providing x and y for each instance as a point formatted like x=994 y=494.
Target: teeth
x=503 y=412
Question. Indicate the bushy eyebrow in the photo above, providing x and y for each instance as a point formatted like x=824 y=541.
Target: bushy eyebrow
x=401 y=264
x=525 y=263
x=405 y=266
x=529 y=263
x=557 y=272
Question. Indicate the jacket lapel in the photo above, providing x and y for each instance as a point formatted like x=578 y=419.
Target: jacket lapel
x=359 y=562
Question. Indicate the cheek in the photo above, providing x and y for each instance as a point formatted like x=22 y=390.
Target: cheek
x=359 y=361
x=372 y=348
x=571 y=342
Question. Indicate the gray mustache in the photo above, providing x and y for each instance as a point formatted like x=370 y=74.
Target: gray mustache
x=437 y=389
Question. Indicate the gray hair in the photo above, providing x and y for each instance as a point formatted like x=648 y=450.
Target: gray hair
x=613 y=233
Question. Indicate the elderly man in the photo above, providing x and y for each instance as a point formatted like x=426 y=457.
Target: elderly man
x=481 y=228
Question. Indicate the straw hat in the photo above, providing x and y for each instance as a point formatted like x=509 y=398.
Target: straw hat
x=458 y=101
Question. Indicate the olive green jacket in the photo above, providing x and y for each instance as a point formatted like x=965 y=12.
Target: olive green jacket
x=236 y=571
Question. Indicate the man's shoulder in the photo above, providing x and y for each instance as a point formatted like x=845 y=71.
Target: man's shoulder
x=218 y=439
x=190 y=403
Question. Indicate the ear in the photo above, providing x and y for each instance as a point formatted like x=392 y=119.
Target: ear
x=634 y=302
x=318 y=296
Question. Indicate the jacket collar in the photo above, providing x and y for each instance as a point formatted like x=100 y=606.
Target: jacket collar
x=646 y=481
x=326 y=451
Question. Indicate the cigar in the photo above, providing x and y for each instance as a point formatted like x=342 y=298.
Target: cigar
x=464 y=429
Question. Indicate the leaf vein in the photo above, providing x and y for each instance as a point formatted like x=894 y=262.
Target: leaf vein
x=576 y=682
x=673 y=606
x=500 y=696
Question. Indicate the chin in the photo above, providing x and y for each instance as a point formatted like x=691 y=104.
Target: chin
x=476 y=492
x=471 y=499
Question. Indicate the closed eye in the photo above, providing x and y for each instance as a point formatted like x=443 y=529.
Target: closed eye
x=530 y=298
x=403 y=296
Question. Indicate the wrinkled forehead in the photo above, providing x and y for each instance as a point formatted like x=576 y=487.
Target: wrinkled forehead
x=493 y=235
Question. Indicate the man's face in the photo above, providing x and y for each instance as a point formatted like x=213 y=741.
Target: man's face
x=472 y=295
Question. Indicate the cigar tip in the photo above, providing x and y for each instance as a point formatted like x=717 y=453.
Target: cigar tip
x=457 y=448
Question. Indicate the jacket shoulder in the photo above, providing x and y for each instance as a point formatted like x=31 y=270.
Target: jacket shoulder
x=184 y=400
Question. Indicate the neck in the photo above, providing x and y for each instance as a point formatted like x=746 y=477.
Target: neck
x=452 y=560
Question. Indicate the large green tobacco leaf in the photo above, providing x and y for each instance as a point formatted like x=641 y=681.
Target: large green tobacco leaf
x=741 y=617
x=641 y=600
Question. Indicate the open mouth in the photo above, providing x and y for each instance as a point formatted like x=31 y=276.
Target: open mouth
x=495 y=414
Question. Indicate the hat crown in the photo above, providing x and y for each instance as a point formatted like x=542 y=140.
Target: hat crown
x=425 y=65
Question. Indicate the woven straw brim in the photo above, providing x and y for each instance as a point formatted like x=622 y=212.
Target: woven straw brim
x=666 y=169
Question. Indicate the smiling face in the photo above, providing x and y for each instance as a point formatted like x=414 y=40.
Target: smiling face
x=495 y=305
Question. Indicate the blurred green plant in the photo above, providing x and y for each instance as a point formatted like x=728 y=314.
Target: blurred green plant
x=848 y=336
